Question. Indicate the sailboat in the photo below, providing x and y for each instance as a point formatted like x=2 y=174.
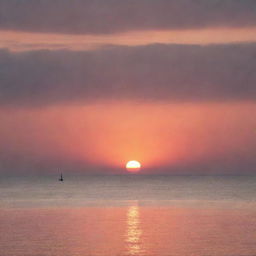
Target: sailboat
x=61 y=177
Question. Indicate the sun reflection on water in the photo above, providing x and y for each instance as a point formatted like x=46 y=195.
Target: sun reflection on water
x=134 y=232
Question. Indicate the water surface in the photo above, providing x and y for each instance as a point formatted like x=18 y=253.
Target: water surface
x=128 y=215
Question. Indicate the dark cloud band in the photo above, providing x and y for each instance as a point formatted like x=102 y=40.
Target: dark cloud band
x=155 y=72
x=108 y=16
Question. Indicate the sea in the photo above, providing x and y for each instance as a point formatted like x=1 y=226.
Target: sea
x=128 y=215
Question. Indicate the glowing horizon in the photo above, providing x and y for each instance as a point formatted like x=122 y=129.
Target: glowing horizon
x=110 y=134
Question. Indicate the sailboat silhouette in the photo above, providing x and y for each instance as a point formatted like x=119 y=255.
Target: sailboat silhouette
x=61 y=177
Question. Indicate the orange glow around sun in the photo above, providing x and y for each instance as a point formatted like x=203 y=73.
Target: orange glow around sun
x=109 y=134
x=133 y=166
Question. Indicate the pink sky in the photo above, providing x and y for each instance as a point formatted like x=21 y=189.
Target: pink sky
x=112 y=133
x=96 y=84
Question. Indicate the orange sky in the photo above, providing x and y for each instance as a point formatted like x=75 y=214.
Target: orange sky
x=169 y=103
x=24 y=41
x=111 y=133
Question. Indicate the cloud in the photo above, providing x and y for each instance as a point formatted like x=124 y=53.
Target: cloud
x=154 y=72
x=108 y=16
x=28 y=41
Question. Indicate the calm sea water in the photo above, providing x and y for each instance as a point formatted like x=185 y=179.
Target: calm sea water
x=128 y=215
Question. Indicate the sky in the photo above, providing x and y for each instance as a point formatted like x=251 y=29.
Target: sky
x=87 y=85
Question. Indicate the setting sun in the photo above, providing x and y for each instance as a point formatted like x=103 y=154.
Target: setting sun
x=133 y=166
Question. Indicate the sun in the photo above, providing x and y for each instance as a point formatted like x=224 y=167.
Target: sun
x=133 y=166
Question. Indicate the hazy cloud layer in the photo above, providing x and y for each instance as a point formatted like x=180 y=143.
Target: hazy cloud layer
x=108 y=16
x=155 y=72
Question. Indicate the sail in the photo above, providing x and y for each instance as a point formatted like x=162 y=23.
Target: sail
x=61 y=177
